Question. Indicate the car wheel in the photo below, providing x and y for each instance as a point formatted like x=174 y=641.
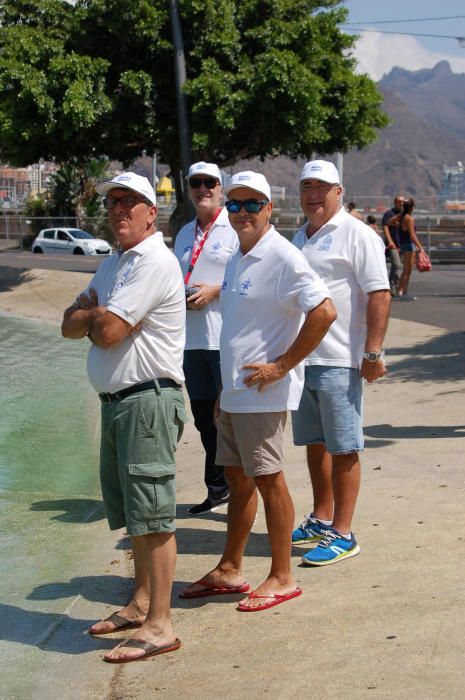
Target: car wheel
x=78 y=251
x=37 y=250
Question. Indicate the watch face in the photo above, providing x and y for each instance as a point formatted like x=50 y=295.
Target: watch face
x=372 y=356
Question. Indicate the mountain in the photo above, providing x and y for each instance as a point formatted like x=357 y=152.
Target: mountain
x=427 y=131
x=436 y=95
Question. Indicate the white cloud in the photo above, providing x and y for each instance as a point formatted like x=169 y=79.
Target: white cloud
x=377 y=54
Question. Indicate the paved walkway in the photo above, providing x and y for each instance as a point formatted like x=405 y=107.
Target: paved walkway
x=386 y=624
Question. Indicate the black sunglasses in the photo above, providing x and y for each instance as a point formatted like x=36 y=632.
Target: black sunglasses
x=209 y=182
x=127 y=201
x=252 y=206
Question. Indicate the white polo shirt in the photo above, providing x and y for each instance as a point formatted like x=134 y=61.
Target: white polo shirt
x=141 y=284
x=204 y=325
x=264 y=297
x=349 y=256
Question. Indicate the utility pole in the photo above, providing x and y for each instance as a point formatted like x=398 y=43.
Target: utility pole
x=180 y=79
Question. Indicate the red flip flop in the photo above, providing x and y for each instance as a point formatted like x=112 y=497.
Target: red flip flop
x=277 y=599
x=210 y=589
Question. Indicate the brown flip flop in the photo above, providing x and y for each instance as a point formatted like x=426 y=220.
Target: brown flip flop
x=149 y=649
x=210 y=589
x=120 y=622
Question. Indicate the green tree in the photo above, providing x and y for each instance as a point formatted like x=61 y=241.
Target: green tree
x=264 y=77
x=72 y=188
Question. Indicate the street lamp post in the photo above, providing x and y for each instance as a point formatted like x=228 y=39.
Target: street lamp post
x=180 y=79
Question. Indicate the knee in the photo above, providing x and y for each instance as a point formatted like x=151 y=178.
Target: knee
x=237 y=480
x=267 y=482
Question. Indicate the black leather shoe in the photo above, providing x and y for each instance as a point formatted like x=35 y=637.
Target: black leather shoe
x=207 y=506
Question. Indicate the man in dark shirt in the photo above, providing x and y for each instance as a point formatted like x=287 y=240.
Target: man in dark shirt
x=391 y=235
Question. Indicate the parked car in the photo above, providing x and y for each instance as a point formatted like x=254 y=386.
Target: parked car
x=75 y=241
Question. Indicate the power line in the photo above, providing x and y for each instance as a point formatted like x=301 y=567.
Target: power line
x=383 y=31
x=401 y=21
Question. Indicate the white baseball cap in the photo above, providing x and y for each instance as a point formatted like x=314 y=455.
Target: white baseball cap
x=320 y=170
x=251 y=180
x=202 y=168
x=129 y=181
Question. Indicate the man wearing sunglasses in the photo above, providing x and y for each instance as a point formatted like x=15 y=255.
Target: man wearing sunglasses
x=203 y=247
x=133 y=313
x=275 y=311
x=349 y=256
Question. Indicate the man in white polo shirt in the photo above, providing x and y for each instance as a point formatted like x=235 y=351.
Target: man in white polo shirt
x=349 y=256
x=203 y=247
x=133 y=313
x=275 y=311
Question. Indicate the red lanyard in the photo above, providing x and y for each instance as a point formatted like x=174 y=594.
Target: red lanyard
x=200 y=244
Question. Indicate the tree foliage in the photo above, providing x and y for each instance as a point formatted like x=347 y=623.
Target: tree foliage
x=264 y=77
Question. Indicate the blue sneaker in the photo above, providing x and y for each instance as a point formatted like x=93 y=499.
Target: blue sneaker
x=330 y=549
x=311 y=530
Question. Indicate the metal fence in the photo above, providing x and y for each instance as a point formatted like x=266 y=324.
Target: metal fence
x=443 y=235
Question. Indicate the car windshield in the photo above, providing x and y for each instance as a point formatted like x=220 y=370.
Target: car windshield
x=79 y=233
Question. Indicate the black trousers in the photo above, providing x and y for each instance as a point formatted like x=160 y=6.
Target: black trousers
x=202 y=410
x=203 y=382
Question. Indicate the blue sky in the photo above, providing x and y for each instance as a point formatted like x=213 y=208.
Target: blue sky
x=377 y=52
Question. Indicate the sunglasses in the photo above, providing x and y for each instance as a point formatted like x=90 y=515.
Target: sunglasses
x=252 y=206
x=209 y=182
x=127 y=201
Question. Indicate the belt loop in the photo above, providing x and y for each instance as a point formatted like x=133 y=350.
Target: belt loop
x=156 y=386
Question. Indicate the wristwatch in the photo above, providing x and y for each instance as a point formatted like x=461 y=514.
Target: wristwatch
x=372 y=356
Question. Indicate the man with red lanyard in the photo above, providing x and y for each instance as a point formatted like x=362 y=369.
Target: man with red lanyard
x=203 y=247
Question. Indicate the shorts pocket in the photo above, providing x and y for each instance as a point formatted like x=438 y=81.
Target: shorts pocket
x=150 y=498
x=152 y=470
x=177 y=427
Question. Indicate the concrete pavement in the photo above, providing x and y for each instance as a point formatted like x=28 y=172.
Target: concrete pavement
x=385 y=624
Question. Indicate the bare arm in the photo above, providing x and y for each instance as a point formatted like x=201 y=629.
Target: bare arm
x=389 y=242
x=413 y=235
x=313 y=330
x=86 y=317
x=79 y=317
x=378 y=307
x=204 y=295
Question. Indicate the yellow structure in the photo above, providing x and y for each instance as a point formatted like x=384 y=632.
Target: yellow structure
x=165 y=188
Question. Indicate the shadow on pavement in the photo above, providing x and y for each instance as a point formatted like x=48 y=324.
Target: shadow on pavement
x=439 y=359
x=385 y=430
x=106 y=589
x=76 y=510
x=11 y=277
x=49 y=631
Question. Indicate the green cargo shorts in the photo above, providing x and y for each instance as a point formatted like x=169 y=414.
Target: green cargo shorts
x=137 y=467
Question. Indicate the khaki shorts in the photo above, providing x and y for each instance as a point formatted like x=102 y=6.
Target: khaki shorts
x=137 y=466
x=253 y=441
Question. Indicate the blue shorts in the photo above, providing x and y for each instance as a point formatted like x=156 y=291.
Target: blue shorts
x=330 y=410
x=408 y=247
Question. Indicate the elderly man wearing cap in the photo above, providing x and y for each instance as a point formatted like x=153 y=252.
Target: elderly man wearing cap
x=203 y=247
x=133 y=313
x=275 y=311
x=349 y=256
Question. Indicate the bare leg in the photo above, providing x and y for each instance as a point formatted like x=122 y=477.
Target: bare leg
x=406 y=272
x=279 y=512
x=241 y=514
x=136 y=609
x=159 y=560
x=346 y=484
x=320 y=467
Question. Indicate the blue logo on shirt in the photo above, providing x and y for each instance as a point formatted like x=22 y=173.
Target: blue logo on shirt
x=224 y=285
x=245 y=285
x=216 y=247
x=325 y=244
x=123 y=279
x=187 y=248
